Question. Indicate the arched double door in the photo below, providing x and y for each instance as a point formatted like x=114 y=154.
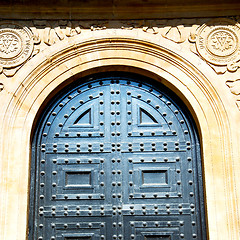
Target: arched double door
x=116 y=157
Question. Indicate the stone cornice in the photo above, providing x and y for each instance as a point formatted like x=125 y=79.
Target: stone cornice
x=81 y=10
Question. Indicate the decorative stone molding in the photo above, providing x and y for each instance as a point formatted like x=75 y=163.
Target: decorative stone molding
x=217 y=42
x=16 y=46
x=176 y=34
x=235 y=89
x=153 y=30
x=1 y=87
x=19 y=43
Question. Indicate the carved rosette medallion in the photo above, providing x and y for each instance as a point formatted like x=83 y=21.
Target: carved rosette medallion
x=218 y=42
x=16 y=45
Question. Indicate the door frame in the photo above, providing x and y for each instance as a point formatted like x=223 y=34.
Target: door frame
x=190 y=78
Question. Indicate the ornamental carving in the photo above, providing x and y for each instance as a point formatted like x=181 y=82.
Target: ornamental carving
x=1 y=87
x=19 y=43
x=176 y=34
x=218 y=43
x=16 y=45
x=235 y=89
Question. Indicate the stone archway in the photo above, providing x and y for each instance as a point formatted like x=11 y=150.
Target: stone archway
x=188 y=78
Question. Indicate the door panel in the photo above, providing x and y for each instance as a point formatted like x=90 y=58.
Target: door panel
x=116 y=159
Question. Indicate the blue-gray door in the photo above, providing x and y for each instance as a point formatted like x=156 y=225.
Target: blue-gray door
x=116 y=157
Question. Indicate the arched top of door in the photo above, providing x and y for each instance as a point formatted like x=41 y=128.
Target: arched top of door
x=82 y=55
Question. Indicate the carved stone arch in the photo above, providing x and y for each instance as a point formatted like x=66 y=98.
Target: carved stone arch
x=124 y=51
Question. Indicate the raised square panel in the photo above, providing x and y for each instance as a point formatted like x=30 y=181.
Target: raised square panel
x=78 y=238
x=157 y=237
x=78 y=179
x=154 y=177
